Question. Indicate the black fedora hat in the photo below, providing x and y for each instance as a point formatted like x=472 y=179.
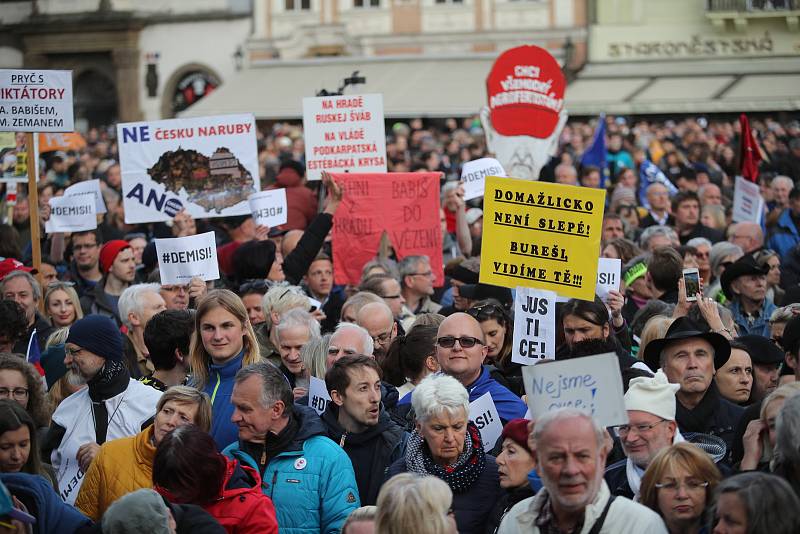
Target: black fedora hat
x=486 y=291
x=761 y=349
x=684 y=328
x=744 y=266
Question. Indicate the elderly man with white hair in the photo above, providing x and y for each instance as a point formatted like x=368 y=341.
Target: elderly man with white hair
x=137 y=304
x=650 y=403
x=569 y=450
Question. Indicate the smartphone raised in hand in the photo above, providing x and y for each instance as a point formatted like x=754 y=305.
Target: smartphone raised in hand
x=691 y=282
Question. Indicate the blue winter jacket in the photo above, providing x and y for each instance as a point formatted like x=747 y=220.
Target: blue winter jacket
x=509 y=406
x=52 y=514
x=220 y=388
x=785 y=235
x=311 y=483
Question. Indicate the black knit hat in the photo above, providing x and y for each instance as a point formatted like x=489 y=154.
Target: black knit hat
x=99 y=335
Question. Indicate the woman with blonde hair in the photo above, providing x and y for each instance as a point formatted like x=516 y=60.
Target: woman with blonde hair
x=415 y=503
x=655 y=328
x=61 y=304
x=223 y=342
x=678 y=485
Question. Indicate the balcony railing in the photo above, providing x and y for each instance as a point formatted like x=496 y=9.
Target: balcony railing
x=753 y=6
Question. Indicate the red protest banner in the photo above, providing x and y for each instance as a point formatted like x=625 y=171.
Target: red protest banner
x=404 y=204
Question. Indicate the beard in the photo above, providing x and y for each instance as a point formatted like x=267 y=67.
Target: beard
x=573 y=503
x=74 y=378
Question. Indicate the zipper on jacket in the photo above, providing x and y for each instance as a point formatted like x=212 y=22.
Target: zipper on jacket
x=274 y=480
x=341 y=441
x=214 y=393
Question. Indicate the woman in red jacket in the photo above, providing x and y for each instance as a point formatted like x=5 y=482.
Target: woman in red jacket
x=187 y=469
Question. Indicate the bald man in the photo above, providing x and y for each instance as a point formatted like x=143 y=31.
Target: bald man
x=377 y=318
x=747 y=235
x=460 y=350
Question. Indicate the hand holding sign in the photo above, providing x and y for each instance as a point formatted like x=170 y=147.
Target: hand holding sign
x=182 y=258
x=534 y=326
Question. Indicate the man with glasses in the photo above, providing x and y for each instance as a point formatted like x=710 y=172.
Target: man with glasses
x=84 y=269
x=377 y=319
x=387 y=288
x=416 y=279
x=461 y=350
x=650 y=403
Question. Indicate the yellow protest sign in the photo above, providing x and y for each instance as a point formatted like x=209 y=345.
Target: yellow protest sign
x=541 y=235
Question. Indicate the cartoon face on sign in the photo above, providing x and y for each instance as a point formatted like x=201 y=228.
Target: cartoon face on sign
x=526 y=112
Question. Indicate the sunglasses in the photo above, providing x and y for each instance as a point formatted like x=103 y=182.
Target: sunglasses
x=485 y=311
x=466 y=342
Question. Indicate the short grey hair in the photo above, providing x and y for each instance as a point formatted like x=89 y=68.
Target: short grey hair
x=720 y=251
x=281 y=298
x=699 y=242
x=437 y=394
x=274 y=386
x=36 y=289
x=787 y=428
x=562 y=414
x=785 y=179
x=359 y=300
x=367 y=343
x=783 y=314
x=132 y=300
x=388 y=265
x=314 y=354
x=652 y=231
x=298 y=318
x=409 y=266
x=566 y=166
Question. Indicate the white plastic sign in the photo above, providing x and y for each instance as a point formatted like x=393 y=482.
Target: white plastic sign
x=344 y=133
x=88 y=187
x=592 y=384
x=182 y=258
x=36 y=101
x=318 y=397
x=474 y=173
x=483 y=413
x=269 y=207
x=608 y=276
x=748 y=204
x=534 y=326
x=71 y=213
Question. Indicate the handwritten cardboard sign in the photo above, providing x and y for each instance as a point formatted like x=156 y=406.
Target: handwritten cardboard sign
x=541 y=235
x=608 y=276
x=71 y=213
x=748 y=204
x=182 y=258
x=483 y=413
x=269 y=207
x=592 y=384
x=344 y=133
x=474 y=173
x=318 y=397
x=534 y=326
x=36 y=101
x=405 y=205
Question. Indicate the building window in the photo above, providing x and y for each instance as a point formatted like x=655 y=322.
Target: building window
x=366 y=3
x=298 y=5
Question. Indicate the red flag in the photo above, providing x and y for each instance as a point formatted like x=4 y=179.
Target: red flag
x=749 y=155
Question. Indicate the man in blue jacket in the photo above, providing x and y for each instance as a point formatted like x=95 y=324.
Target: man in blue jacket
x=308 y=477
x=785 y=235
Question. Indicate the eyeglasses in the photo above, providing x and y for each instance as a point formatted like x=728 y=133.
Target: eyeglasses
x=59 y=284
x=391 y=296
x=485 y=311
x=426 y=273
x=382 y=339
x=176 y=288
x=623 y=430
x=73 y=352
x=672 y=486
x=466 y=342
x=19 y=394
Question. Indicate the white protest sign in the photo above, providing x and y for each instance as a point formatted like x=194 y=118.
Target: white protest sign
x=592 y=384
x=182 y=258
x=344 y=133
x=318 y=397
x=88 y=187
x=36 y=101
x=206 y=165
x=483 y=413
x=269 y=207
x=748 y=204
x=534 y=326
x=608 y=276
x=71 y=213
x=474 y=173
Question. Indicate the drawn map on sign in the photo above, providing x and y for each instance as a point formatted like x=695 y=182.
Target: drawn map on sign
x=214 y=183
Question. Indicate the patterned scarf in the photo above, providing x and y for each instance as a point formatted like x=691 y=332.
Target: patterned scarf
x=461 y=474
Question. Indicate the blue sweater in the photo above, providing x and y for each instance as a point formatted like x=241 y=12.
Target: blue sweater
x=53 y=516
x=219 y=388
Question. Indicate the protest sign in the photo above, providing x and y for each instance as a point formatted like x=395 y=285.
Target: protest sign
x=206 y=165
x=71 y=213
x=88 y=187
x=36 y=101
x=269 y=207
x=49 y=142
x=405 y=205
x=474 y=173
x=748 y=204
x=592 y=384
x=541 y=235
x=525 y=112
x=13 y=157
x=182 y=258
x=608 y=276
x=534 y=326
x=344 y=133
x=318 y=397
x=483 y=413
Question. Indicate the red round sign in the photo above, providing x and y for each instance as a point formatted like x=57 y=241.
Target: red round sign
x=526 y=92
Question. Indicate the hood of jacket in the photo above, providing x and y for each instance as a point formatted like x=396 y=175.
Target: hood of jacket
x=331 y=419
x=52 y=514
x=310 y=425
x=238 y=479
x=143 y=447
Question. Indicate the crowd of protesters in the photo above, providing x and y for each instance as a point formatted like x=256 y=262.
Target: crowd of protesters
x=128 y=405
